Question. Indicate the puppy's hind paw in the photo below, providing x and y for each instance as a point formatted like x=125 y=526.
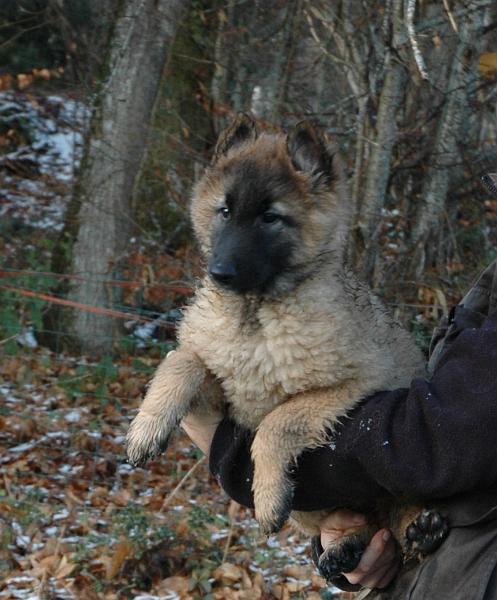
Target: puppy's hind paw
x=427 y=532
x=342 y=557
x=146 y=438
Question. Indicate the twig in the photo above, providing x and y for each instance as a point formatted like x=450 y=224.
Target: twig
x=4 y=341
x=450 y=16
x=228 y=542
x=6 y=483
x=418 y=57
x=168 y=499
x=232 y=512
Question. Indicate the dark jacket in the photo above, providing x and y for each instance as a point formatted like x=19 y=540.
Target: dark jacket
x=434 y=442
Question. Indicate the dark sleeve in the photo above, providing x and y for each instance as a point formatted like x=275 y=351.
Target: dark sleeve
x=432 y=441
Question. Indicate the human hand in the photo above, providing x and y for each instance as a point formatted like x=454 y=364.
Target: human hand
x=200 y=426
x=381 y=559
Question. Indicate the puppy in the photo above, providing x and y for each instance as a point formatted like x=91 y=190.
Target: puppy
x=279 y=329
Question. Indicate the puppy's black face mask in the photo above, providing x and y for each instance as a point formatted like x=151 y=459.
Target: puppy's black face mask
x=252 y=240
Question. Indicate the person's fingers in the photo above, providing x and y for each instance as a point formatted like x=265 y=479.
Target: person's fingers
x=389 y=575
x=379 y=548
x=384 y=570
x=379 y=557
x=373 y=580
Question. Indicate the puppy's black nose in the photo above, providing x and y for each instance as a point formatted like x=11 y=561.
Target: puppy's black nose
x=222 y=272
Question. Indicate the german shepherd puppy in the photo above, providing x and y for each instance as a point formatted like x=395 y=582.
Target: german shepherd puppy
x=278 y=330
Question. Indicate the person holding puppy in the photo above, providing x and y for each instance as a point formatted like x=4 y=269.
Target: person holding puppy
x=433 y=443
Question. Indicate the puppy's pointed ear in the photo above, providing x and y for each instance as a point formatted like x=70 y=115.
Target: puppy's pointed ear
x=243 y=129
x=309 y=152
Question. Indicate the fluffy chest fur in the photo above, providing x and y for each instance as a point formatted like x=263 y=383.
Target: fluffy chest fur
x=264 y=354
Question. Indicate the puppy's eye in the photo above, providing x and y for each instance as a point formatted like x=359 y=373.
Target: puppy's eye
x=224 y=212
x=270 y=217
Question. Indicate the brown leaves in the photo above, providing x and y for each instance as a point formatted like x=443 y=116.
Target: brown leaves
x=52 y=561
x=488 y=64
x=76 y=517
x=228 y=573
x=21 y=81
x=176 y=583
x=116 y=561
x=230 y=577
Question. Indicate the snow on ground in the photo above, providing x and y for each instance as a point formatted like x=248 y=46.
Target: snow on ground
x=43 y=144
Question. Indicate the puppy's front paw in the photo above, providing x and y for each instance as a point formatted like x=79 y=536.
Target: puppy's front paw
x=147 y=437
x=273 y=504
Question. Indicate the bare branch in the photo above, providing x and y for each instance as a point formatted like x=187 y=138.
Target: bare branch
x=450 y=16
x=418 y=57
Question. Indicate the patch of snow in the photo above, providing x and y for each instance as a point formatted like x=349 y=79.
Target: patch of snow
x=65 y=469
x=27 y=338
x=55 y=129
x=24 y=447
x=51 y=531
x=71 y=539
x=124 y=469
x=23 y=541
x=5 y=392
x=63 y=514
x=56 y=434
x=219 y=535
x=73 y=417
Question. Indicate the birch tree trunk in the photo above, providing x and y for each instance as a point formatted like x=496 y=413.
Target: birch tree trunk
x=142 y=39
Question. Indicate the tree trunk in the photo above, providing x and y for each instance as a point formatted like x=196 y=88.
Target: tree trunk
x=446 y=154
x=372 y=199
x=142 y=39
x=285 y=63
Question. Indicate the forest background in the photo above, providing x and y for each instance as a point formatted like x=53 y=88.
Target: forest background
x=109 y=111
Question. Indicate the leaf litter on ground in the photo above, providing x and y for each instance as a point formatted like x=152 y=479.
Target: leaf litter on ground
x=76 y=521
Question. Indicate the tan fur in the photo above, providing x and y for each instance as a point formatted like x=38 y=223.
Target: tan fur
x=290 y=366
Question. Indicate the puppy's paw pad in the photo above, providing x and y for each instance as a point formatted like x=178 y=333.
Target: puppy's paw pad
x=427 y=532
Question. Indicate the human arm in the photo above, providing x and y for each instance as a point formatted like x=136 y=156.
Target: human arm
x=431 y=441
x=200 y=427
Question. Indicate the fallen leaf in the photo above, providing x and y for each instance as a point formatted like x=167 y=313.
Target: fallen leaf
x=228 y=573
x=64 y=568
x=488 y=64
x=177 y=584
x=280 y=591
x=116 y=561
